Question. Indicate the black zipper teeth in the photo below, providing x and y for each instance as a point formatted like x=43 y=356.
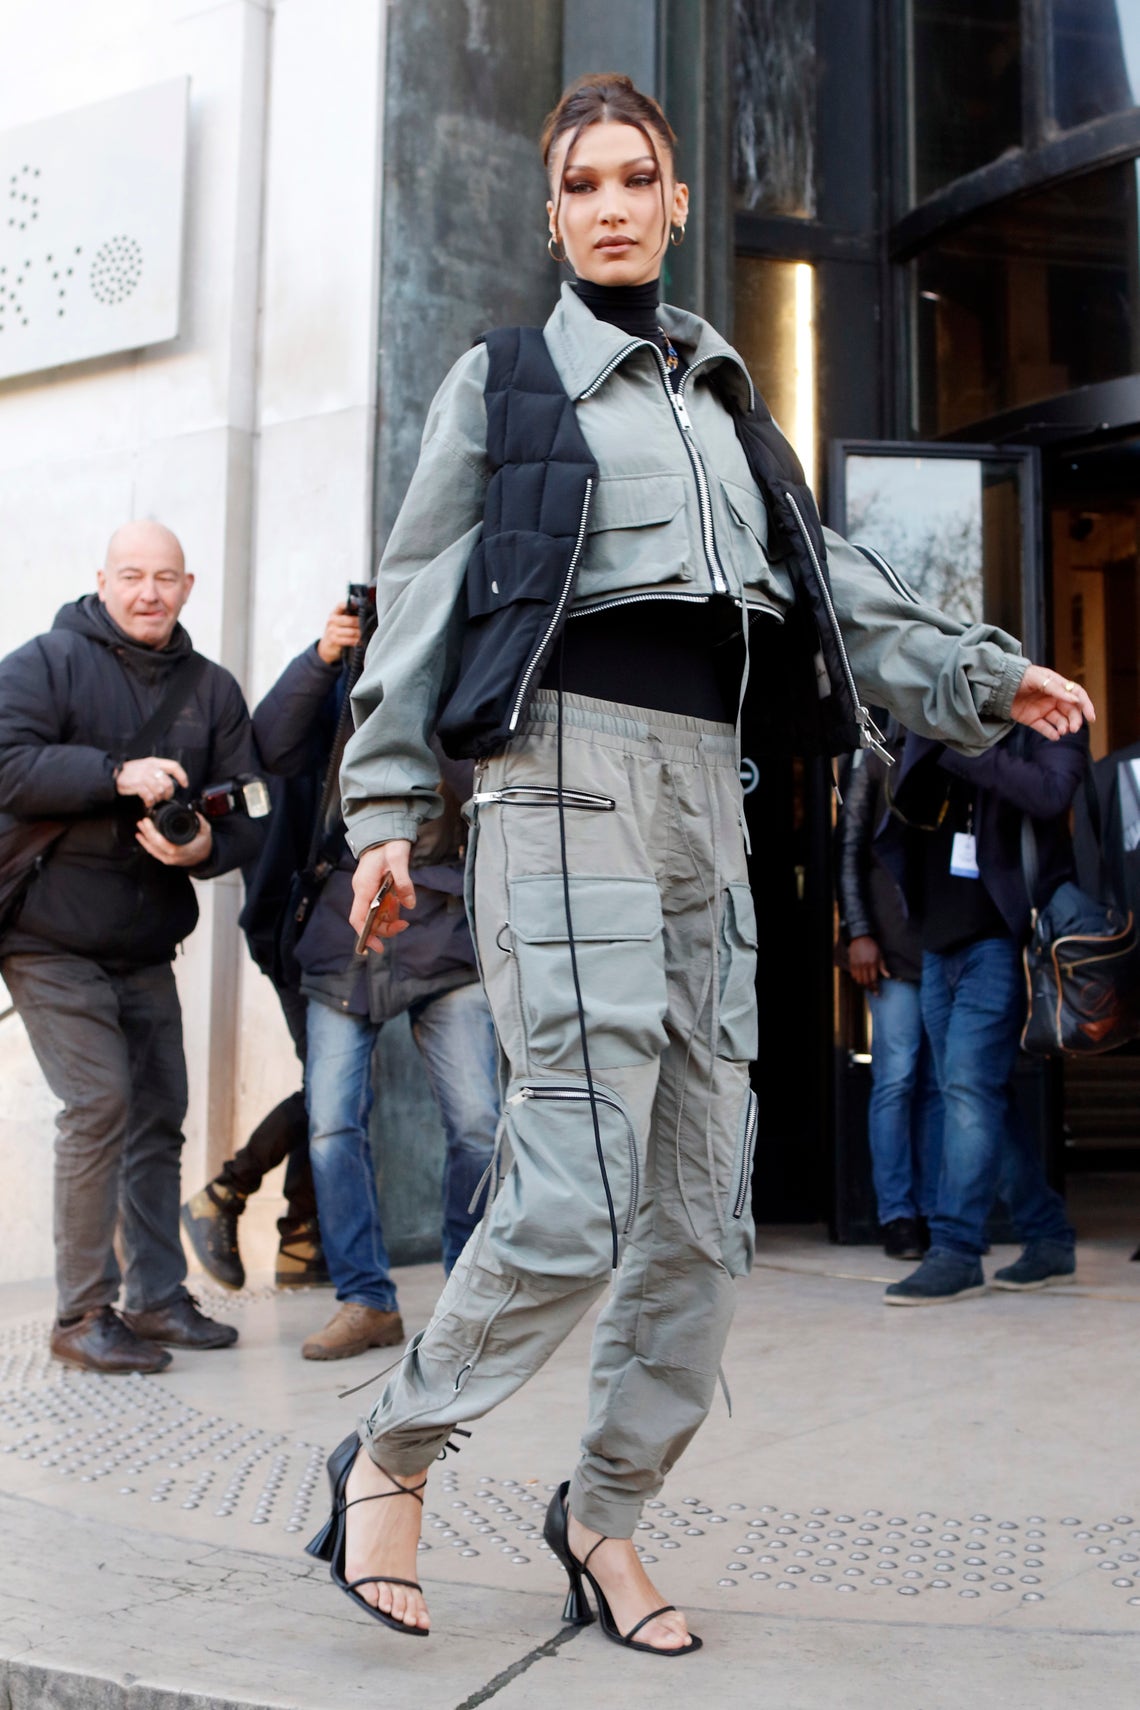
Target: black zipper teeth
x=574 y=1095
x=749 y=1147
x=715 y=567
x=890 y=573
x=562 y=598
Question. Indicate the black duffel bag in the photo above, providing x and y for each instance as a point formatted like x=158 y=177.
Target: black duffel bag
x=1082 y=964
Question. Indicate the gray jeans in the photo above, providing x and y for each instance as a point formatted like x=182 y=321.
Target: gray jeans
x=110 y=1047
x=665 y=947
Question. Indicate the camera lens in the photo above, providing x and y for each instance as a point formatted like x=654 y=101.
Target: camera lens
x=175 y=821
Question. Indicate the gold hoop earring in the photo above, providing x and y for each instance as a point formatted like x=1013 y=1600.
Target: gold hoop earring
x=550 y=250
x=674 y=240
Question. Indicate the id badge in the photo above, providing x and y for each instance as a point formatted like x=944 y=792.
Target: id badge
x=964 y=856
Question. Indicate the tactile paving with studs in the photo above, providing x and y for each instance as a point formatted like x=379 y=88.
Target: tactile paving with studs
x=135 y=1452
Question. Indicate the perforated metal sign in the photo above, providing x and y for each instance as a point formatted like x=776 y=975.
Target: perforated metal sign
x=91 y=212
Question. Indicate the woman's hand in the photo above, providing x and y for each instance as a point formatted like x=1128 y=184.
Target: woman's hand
x=385 y=858
x=1051 y=705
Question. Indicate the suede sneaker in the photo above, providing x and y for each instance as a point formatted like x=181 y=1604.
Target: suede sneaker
x=210 y=1221
x=1043 y=1264
x=940 y=1278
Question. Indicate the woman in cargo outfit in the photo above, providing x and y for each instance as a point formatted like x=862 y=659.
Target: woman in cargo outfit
x=568 y=594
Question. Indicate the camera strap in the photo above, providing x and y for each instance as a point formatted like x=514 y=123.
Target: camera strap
x=184 y=679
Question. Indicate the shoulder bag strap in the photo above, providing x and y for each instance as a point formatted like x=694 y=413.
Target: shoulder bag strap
x=1030 y=867
x=183 y=681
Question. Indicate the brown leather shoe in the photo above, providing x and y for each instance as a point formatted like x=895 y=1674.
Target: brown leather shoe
x=180 y=1325
x=352 y=1330
x=101 y=1342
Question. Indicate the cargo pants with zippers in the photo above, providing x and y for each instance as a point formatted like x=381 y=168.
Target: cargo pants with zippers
x=665 y=944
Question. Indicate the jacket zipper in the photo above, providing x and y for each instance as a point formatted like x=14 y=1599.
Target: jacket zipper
x=872 y=736
x=681 y=415
x=684 y=421
x=582 y=1095
x=745 y=1181
x=571 y=571
x=536 y=795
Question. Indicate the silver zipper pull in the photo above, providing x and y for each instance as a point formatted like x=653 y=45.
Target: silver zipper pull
x=682 y=410
x=523 y=1093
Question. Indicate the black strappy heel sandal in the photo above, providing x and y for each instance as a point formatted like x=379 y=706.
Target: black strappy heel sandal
x=329 y=1543
x=577 y=1608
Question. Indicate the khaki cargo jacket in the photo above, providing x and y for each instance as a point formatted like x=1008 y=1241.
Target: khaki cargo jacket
x=649 y=528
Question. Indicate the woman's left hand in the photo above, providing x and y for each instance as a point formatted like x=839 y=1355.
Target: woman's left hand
x=1052 y=705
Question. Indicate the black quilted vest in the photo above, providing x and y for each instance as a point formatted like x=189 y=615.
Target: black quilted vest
x=520 y=577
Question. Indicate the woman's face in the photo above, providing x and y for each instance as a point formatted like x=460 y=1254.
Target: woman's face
x=614 y=213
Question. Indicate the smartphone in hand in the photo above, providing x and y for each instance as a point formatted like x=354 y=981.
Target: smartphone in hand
x=365 y=934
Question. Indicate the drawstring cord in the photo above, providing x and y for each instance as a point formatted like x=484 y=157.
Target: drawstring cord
x=577 y=985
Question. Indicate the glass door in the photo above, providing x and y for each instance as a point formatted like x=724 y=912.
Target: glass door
x=959 y=523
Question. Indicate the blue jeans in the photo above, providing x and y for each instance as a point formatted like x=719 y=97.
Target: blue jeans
x=905 y=1116
x=973 y=1006
x=456 y=1040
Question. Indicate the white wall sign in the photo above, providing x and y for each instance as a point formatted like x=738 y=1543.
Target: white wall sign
x=91 y=208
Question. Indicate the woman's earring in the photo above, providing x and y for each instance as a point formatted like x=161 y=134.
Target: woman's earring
x=554 y=256
x=674 y=239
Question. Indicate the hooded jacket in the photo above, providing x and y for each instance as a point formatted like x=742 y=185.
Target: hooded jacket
x=660 y=524
x=71 y=702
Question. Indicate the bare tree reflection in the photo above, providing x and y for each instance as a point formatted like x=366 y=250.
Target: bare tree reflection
x=941 y=559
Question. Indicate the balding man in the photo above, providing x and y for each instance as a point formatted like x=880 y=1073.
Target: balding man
x=106 y=716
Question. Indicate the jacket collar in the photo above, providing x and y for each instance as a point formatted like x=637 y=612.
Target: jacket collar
x=583 y=348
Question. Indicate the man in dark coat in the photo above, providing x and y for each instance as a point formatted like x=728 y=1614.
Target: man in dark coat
x=959 y=861
x=86 y=953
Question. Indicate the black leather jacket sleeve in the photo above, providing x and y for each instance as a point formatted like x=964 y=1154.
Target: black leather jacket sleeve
x=856 y=829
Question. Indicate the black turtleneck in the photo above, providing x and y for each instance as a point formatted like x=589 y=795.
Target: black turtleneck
x=670 y=656
x=633 y=309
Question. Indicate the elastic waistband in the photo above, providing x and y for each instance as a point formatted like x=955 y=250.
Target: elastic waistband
x=632 y=726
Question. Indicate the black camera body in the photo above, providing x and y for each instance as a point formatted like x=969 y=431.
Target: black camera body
x=177 y=820
x=360 y=601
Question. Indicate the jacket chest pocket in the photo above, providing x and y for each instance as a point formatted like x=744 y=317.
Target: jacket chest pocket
x=749 y=538
x=637 y=534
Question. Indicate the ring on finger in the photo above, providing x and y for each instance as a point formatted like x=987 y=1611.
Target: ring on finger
x=1070 y=688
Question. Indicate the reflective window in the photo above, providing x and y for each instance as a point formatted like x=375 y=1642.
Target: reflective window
x=950 y=526
x=1034 y=298
x=774 y=90
x=774 y=331
x=964 y=87
x=1096 y=58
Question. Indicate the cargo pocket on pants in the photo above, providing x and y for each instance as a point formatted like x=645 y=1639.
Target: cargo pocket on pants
x=739 y=1247
x=621 y=970
x=738 y=942
x=551 y=1215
